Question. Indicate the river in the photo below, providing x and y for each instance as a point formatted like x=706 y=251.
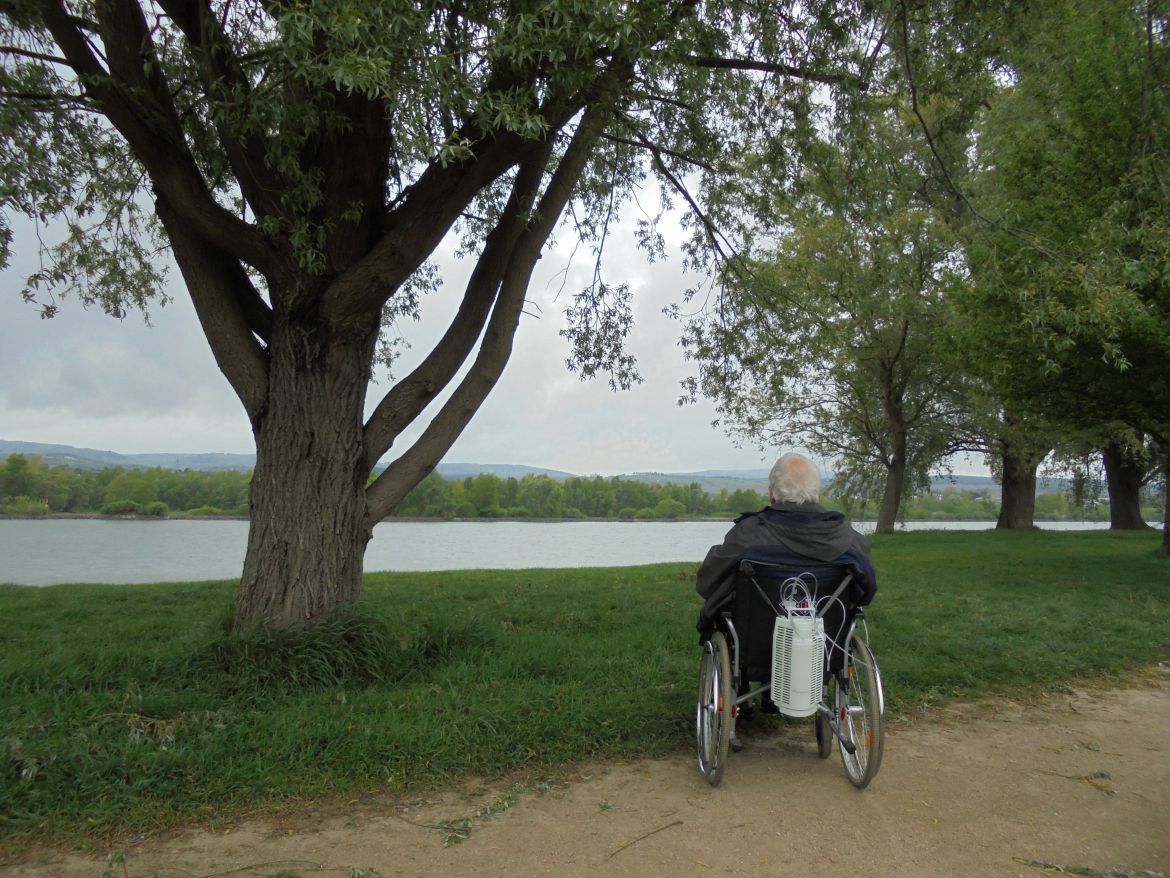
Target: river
x=52 y=551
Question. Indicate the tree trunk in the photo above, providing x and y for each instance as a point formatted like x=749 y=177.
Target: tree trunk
x=1124 y=472
x=895 y=484
x=1017 y=506
x=1164 y=446
x=308 y=531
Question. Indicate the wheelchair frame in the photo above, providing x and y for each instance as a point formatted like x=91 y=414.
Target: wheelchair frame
x=852 y=707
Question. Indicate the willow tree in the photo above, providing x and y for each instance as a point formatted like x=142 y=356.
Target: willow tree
x=1070 y=289
x=836 y=338
x=302 y=161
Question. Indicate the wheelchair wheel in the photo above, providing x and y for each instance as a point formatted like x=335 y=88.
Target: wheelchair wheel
x=824 y=737
x=857 y=699
x=713 y=713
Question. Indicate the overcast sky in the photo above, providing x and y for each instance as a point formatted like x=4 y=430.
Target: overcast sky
x=89 y=380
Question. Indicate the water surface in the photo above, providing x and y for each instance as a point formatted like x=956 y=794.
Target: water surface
x=50 y=551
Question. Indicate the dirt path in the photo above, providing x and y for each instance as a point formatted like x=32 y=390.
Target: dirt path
x=1078 y=780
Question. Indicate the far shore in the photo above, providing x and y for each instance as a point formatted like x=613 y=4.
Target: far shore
x=178 y=516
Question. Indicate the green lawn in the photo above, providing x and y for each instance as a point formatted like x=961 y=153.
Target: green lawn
x=127 y=709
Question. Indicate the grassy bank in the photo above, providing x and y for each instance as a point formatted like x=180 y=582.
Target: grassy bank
x=125 y=709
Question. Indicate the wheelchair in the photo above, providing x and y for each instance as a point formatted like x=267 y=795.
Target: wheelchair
x=825 y=670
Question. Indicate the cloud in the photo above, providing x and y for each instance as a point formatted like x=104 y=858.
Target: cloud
x=86 y=379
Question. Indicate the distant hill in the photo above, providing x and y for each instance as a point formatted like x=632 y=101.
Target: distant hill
x=502 y=470
x=92 y=458
x=713 y=481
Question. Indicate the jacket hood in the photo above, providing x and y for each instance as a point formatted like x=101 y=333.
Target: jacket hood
x=810 y=529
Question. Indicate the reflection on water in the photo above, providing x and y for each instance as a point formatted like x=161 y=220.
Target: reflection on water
x=86 y=550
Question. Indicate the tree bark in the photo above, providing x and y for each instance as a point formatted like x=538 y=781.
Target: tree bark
x=1164 y=447
x=1124 y=474
x=308 y=531
x=1017 y=506
x=895 y=484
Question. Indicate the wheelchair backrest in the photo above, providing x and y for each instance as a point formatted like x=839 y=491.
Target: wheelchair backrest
x=760 y=591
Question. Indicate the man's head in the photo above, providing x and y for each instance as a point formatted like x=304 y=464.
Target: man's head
x=794 y=479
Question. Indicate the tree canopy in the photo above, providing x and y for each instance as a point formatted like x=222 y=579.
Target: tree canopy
x=1067 y=313
x=833 y=333
x=1070 y=261
x=302 y=161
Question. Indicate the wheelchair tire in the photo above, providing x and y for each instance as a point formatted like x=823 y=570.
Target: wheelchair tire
x=824 y=737
x=857 y=698
x=713 y=714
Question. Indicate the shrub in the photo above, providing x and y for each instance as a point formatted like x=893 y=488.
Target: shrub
x=629 y=513
x=120 y=507
x=157 y=509
x=23 y=506
x=465 y=510
x=207 y=510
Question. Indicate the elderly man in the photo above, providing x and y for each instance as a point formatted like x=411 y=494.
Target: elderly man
x=793 y=529
x=794 y=520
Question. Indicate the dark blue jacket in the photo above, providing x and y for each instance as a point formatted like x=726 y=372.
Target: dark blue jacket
x=796 y=533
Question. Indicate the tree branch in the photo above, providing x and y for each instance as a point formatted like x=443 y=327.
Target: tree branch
x=417 y=225
x=218 y=285
x=220 y=75
x=660 y=150
x=415 y=392
x=37 y=100
x=914 y=108
x=140 y=108
x=35 y=56
x=496 y=348
x=771 y=67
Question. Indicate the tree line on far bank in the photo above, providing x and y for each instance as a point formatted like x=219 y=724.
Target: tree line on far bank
x=29 y=487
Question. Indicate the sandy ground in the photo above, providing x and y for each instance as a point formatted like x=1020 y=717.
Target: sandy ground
x=1079 y=780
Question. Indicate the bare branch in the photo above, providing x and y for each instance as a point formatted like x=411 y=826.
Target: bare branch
x=218 y=285
x=35 y=56
x=772 y=67
x=423 y=215
x=690 y=160
x=46 y=99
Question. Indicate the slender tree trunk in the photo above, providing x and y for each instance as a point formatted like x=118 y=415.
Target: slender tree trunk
x=895 y=484
x=1124 y=472
x=308 y=531
x=1164 y=445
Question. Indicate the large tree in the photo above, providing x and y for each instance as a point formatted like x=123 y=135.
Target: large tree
x=837 y=337
x=1070 y=255
x=301 y=162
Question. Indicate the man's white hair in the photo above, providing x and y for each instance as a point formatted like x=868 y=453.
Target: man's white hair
x=794 y=479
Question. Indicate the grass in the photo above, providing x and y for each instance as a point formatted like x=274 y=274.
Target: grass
x=127 y=709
